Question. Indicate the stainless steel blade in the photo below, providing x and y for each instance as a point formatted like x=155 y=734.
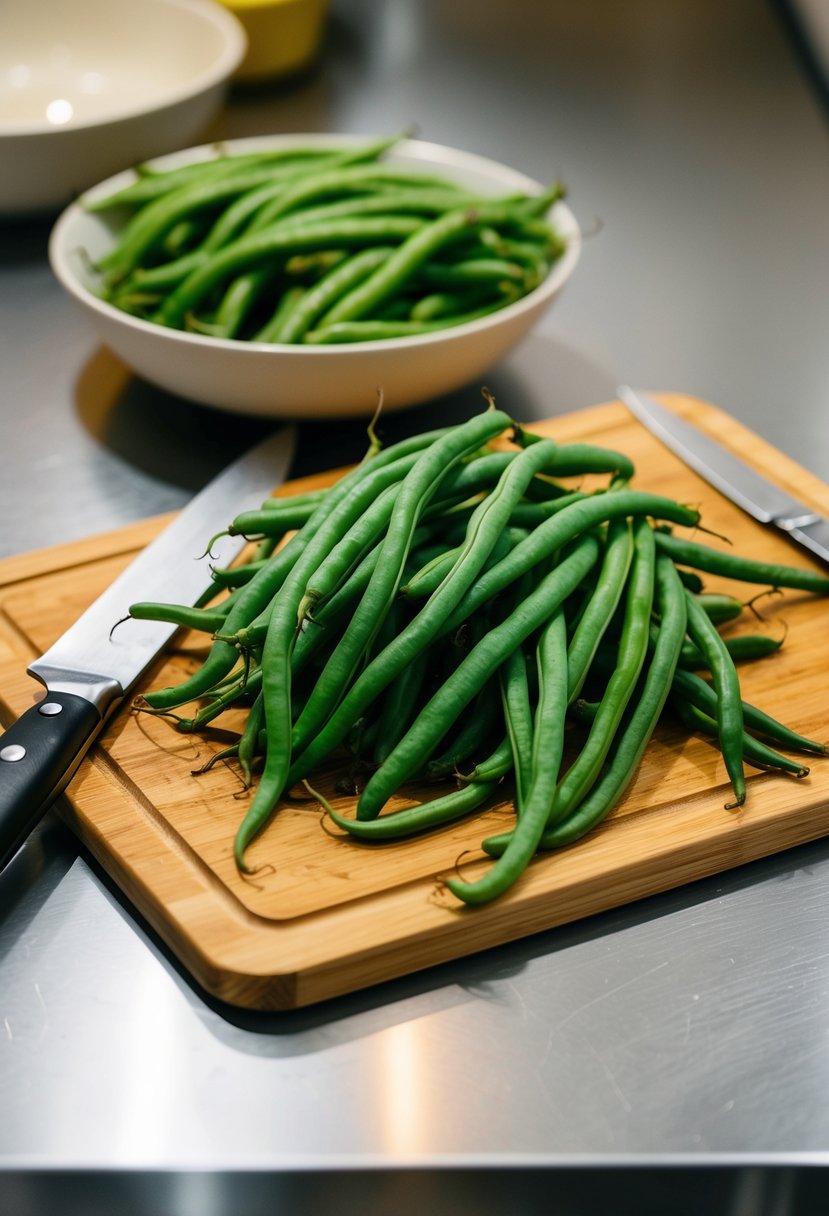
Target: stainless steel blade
x=757 y=495
x=743 y=485
x=173 y=568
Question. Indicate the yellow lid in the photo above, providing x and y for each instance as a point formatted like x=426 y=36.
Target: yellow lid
x=283 y=35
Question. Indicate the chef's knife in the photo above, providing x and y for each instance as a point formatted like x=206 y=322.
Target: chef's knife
x=750 y=490
x=93 y=666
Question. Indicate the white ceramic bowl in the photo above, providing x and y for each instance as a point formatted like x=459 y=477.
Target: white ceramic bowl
x=88 y=87
x=313 y=381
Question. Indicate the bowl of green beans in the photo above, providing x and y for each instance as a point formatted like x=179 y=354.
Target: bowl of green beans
x=304 y=275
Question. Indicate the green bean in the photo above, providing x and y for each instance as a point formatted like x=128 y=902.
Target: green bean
x=311 y=265
x=715 y=561
x=719 y=608
x=234 y=219
x=316 y=643
x=337 y=607
x=703 y=632
x=213 y=230
x=151 y=282
x=547 y=752
x=471 y=271
x=153 y=181
x=577 y=459
x=534 y=257
x=381 y=331
x=201 y=619
x=602 y=604
x=430 y=575
x=385 y=206
x=420 y=818
x=290 y=503
x=518 y=715
x=363 y=534
x=698 y=691
x=744 y=646
x=440 y=304
x=271 y=521
x=472 y=672
x=754 y=751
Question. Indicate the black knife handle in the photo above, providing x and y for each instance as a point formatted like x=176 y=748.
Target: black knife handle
x=38 y=755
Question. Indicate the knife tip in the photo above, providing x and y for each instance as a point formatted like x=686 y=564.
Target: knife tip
x=626 y=394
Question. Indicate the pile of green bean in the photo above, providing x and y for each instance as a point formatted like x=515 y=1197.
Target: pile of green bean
x=315 y=245
x=461 y=608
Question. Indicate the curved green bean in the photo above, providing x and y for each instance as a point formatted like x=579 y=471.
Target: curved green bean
x=745 y=569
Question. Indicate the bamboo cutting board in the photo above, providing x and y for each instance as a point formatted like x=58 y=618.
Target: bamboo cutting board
x=323 y=914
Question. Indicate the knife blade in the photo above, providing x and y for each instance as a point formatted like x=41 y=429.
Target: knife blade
x=90 y=669
x=751 y=491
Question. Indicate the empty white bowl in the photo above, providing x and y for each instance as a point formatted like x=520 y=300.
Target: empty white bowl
x=310 y=381
x=88 y=87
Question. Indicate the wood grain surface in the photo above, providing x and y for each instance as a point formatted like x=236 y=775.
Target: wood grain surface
x=324 y=914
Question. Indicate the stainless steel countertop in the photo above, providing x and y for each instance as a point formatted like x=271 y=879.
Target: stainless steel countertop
x=688 y=1031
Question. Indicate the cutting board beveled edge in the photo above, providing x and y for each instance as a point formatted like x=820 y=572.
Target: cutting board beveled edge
x=326 y=916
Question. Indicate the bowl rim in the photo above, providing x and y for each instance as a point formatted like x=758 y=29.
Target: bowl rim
x=425 y=151
x=233 y=50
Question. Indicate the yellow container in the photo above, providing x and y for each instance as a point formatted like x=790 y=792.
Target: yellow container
x=283 y=35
